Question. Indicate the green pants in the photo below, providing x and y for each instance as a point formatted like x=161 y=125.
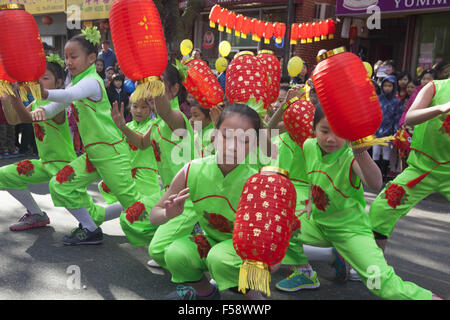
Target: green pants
x=170 y=231
x=110 y=163
x=389 y=206
x=187 y=260
x=360 y=250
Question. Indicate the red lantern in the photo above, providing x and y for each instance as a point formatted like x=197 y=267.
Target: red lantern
x=302 y=33
x=259 y=30
x=238 y=25
x=298 y=118
x=246 y=27
x=309 y=32
x=104 y=25
x=263 y=226
x=201 y=83
x=280 y=31
x=331 y=28
x=273 y=68
x=5 y=82
x=323 y=30
x=246 y=80
x=268 y=32
x=295 y=29
x=316 y=31
x=341 y=82
x=223 y=18
x=138 y=38
x=214 y=15
x=21 y=47
x=47 y=20
x=253 y=23
x=231 y=21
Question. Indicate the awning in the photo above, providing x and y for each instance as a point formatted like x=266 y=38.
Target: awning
x=359 y=7
x=40 y=6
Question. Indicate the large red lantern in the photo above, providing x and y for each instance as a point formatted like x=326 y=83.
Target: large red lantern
x=201 y=82
x=47 y=20
x=231 y=21
x=342 y=82
x=246 y=27
x=21 y=48
x=298 y=116
x=247 y=82
x=268 y=32
x=238 y=25
x=138 y=38
x=223 y=18
x=279 y=32
x=214 y=15
x=273 y=68
x=263 y=226
x=295 y=29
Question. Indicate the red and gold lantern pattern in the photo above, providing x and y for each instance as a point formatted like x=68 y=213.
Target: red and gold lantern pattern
x=21 y=49
x=246 y=79
x=138 y=38
x=279 y=32
x=214 y=15
x=273 y=68
x=263 y=226
x=342 y=82
x=298 y=118
x=203 y=84
x=268 y=32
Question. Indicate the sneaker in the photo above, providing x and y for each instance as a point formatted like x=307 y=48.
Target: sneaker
x=152 y=263
x=29 y=221
x=353 y=275
x=298 y=281
x=341 y=266
x=188 y=293
x=80 y=236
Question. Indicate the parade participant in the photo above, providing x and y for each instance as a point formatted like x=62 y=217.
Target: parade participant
x=203 y=127
x=107 y=154
x=15 y=178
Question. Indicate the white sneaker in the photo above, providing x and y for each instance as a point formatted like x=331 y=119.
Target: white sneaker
x=152 y=263
x=353 y=275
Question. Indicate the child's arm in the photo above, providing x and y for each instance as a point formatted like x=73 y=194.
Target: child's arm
x=367 y=170
x=172 y=202
x=420 y=112
x=173 y=118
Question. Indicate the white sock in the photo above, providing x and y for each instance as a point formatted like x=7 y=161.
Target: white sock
x=306 y=270
x=27 y=200
x=318 y=254
x=83 y=216
x=113 y=211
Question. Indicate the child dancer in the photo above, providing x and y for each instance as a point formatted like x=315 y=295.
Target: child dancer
x=15 y=178
x=203 y=127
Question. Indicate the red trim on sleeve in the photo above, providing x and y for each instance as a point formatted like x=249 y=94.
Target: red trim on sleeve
x=187 y=174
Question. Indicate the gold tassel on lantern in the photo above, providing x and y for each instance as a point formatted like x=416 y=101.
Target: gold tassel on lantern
x=33 y=86
x=5 y=88
x=148 y=87
x=371 y=141
x=254 y=275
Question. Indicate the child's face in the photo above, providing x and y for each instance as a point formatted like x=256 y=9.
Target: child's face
x=427 y=77
x=326 y=138
x=388 y=87
x=403 y=82
x=77 y=60
x=118 y=83
x=190 y=99
x=389 y=69
x=99 y=66
x=141 y=109
x=198 y=115
x=280 y=101
x=48 y=80
x=410 y=88
x=109 y=74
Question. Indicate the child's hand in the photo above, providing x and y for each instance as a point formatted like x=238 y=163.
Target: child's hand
x=38 y=115
x=445 y=108
x=294 y=92
x=174 y=205
x=215 y=113
x=117 y=115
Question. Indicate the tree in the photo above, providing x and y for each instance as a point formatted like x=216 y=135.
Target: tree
x=178 y=26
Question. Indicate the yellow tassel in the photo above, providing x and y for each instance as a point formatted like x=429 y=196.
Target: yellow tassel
x=371 y=141
x=23 y=93
x=148 y=87
x=254 y=275
x=5 y=88
x=35 y=89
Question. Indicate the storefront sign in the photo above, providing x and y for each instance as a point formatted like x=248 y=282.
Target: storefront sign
x=348 y=7
x=92 y=9
x=40 y=6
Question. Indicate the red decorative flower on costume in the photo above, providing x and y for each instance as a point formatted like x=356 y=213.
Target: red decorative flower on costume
x=219 y=222
x=446 y=125
x=25 y=168
x=65 y=174
x=89 y=166
x=395 y=195
x=203 y=245
x=39 y=132
x=296 y=226
x=320 y=198
x=136 y=212
x=156 y=150
x=132 y=146
x=105 y=187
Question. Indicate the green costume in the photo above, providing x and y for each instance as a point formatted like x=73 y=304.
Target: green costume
x=291 y=158
x=215 y=199
x=428 y=171
x=202 y=142
x=145 y=174
x=107 y=157
x=55 y=148
x=338 y=219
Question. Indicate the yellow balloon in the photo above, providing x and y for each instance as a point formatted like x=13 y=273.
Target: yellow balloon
x=368 y=68
x=419 y=70
x=186 y=47
x=221 y=64
x=295 y=66
x=224 y=48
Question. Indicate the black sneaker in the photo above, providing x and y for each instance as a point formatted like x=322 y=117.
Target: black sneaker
x=188 y=293
x=80 y=236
